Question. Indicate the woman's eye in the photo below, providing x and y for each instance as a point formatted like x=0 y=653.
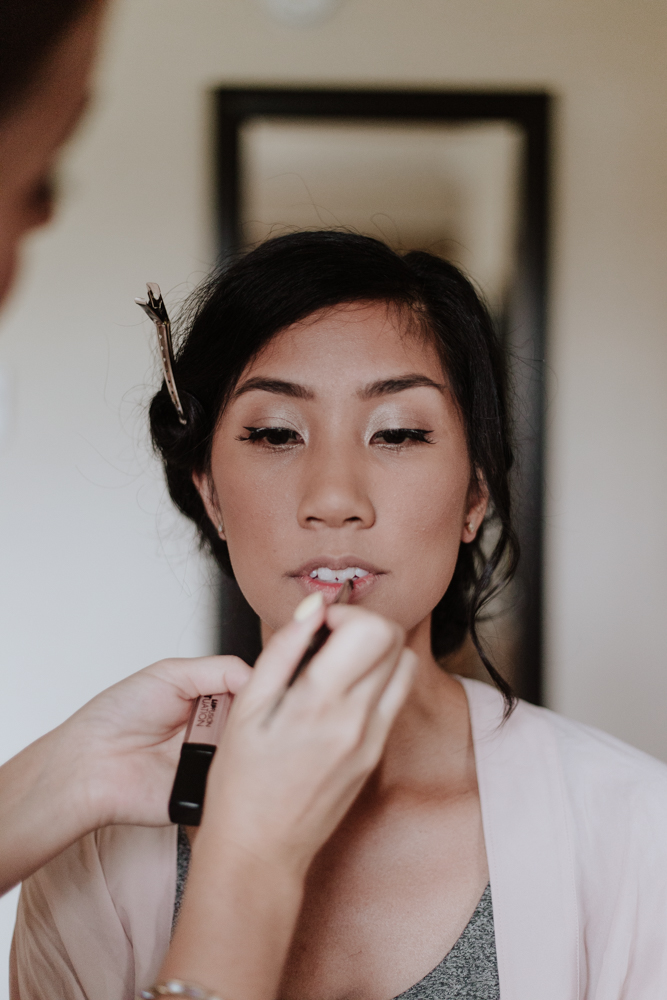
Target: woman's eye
x=401 y=435
x=275 y=437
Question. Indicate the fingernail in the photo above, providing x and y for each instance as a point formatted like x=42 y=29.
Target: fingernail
x=309 y=605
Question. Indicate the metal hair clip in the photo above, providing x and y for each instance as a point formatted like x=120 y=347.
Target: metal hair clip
x=156 y=310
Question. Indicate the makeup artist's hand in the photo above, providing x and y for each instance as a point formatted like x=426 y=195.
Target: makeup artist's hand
x=113 y=761
x=132 y=734
x=289 y=766
x=291 y=762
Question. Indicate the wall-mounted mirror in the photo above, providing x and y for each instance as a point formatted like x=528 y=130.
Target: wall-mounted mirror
x=462 y=175
x=450 y=188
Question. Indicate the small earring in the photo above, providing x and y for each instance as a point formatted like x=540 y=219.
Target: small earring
x=470 y=526
x=221 y=529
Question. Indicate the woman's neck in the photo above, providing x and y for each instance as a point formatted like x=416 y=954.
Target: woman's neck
x=431 y=741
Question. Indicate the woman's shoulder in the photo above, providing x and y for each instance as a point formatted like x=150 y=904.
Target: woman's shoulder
x=604 y=756
x=593 y=766
x=574 y=739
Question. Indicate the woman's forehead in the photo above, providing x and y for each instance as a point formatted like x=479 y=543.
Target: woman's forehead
x=351 y=342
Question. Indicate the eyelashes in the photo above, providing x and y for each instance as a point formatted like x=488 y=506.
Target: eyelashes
x=396 y=436
x=276 y=437
x=284 y=437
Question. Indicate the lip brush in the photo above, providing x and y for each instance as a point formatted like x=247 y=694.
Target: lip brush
x=321 y=636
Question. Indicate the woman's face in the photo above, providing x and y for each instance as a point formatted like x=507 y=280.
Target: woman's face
x=342 y=453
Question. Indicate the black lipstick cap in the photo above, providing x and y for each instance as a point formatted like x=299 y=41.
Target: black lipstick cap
x=187 y=795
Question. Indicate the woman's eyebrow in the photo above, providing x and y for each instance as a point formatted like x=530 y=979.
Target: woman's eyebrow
x=277 y=386
x=388 y=386
x=383 y=387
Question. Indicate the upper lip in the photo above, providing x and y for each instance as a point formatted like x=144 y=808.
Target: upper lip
x=335 y=562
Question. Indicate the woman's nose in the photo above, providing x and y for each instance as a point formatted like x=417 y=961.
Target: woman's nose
x=335 y=494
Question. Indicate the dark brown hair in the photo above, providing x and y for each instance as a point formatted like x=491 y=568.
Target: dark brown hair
x=237 y=311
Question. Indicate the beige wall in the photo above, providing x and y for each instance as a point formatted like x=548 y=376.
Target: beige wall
x=97 y=579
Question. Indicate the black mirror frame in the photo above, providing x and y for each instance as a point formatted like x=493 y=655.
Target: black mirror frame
x=526 y=333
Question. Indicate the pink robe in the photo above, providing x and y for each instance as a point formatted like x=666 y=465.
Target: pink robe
x=575 y=824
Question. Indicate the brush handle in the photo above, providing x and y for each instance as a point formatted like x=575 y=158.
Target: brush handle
x=314 y=646
x=320 y=637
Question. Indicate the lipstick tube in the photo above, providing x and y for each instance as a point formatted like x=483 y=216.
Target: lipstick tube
x=203 y=732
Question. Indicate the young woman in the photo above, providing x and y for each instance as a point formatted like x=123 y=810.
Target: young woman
x=346 y=419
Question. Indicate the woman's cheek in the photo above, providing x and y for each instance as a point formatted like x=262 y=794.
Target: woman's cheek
x=418 y=533
x=259 y=530
x=251 y=493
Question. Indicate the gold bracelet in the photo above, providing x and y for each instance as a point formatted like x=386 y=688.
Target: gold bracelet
x=176 y=988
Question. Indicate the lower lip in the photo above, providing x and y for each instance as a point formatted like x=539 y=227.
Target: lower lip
x=361 y=585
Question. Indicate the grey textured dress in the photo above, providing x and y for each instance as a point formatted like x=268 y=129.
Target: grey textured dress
x=468 y=972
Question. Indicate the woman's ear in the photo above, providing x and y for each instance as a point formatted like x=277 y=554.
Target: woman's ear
x=478 y=502
x=206 y=490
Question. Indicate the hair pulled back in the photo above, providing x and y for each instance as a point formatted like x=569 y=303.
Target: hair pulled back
x=29 y=29
x=238 y=310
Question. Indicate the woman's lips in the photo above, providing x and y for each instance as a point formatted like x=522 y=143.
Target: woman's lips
x=360 y=587
x=362 y=584
x=336 y=563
